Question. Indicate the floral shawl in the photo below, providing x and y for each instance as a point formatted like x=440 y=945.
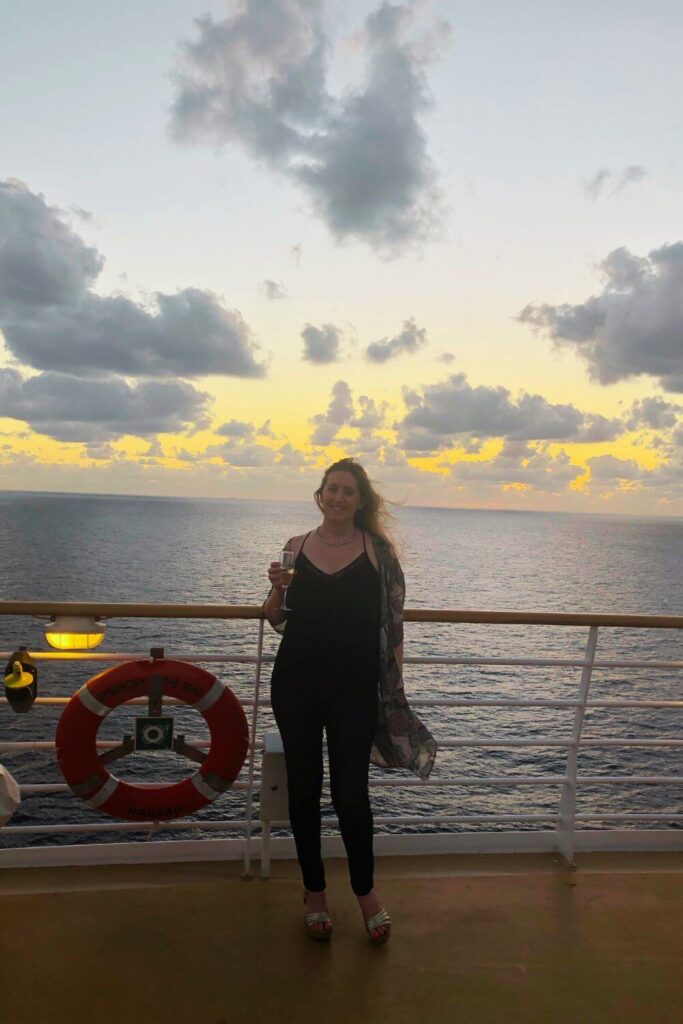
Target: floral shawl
x=401 y=740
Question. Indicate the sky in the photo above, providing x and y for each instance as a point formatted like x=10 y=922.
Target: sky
x=239 y=241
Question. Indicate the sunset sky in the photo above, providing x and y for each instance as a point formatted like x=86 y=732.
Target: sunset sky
x=241 y=240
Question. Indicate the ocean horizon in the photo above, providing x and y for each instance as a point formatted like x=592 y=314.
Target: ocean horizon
x=303 y=501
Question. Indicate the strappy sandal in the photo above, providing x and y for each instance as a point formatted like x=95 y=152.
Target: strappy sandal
x=378 y=920
x=318 y=917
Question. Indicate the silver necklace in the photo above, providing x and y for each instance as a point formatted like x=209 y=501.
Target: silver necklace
x=336 y=543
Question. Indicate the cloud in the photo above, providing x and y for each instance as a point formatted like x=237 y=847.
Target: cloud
x=633 y=327
x=273 y=290
x=100 y=451
x=593 y=186
x=52 y=320
x=410 y=339
x=453 y=412
x=608 y=467
x=246 y=456
x=240 y=430
x=339 y=412
x=42 y=262
x=627 y=176
x=367 y=443
x=519 y=465
x=259 y=79
x=321 y=344
x=652 y=413
x=596 y=428
x=69 y=409
x=236 y=428
x=370 y=415
x=190 y=334
x=242 y=452
x=264 y=430
x=289 y=456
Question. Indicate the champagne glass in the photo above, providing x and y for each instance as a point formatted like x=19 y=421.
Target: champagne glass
x=287 y=562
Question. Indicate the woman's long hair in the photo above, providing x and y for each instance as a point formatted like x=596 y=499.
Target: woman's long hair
x=373 y=515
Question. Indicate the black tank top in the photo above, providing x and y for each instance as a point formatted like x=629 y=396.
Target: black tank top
x=333 y=625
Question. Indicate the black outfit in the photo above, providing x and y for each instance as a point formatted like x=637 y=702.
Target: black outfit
x=326 y=676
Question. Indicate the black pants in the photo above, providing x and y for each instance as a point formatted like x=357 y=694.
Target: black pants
x=347 y=710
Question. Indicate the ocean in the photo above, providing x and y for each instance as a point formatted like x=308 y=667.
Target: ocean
x=67 y=547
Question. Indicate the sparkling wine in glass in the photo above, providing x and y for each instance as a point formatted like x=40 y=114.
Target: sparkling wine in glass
x=287 y=562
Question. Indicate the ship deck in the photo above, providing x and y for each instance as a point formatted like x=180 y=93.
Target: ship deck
x=481 y=938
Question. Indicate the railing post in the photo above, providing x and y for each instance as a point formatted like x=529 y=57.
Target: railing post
x=252 y=753
x=564 y=832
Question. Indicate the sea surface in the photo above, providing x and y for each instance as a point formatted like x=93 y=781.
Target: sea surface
x=66 y=547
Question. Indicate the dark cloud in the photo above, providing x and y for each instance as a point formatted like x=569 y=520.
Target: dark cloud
x=370 y=414
x=630 y=175
x=339 y=412
x=597 y=428
x=633 y=327
x=366 y=444
x=236 y=428
x=246 y=456
x=265 y=430
x=101 y=451
x=155 y=450
x=321 y=344
x=607 y=467
x=653 y=413
x=519 y=464
x=240 y=430
x=69 y=409
x=453 y=411
x=410 y=339
x=243 y=453
x=289 y=456
x=190 y=334
x=259 y=78
x=51 y=320
x=42 y=262
x=273 y=290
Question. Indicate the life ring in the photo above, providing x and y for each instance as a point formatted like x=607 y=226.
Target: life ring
x=89 y=779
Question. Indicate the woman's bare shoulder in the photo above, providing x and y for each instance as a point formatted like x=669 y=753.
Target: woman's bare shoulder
x=294 y=543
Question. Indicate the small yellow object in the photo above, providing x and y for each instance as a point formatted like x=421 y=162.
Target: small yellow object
x=74 y=641
x=74 y=632
x=18 y=677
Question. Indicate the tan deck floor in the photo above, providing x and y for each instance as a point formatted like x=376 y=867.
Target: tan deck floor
x=502 y=939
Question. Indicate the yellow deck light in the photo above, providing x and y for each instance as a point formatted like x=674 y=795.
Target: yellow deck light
x=74 y=632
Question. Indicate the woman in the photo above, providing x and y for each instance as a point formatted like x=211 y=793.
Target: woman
x=338 y=668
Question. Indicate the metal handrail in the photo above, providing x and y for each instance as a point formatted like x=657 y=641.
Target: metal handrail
x=103 y=609
x=567 y=817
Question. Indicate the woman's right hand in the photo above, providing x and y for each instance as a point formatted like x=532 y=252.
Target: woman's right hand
x=277 y=576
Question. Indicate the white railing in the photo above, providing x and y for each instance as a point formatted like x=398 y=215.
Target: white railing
x=565 y=839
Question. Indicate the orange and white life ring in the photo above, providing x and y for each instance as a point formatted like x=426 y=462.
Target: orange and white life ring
x=89 y=779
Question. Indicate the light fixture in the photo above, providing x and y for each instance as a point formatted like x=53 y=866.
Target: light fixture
x=74 y=632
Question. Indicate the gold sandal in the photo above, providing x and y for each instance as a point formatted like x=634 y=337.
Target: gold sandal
x=378 y=920
x=318 y=917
